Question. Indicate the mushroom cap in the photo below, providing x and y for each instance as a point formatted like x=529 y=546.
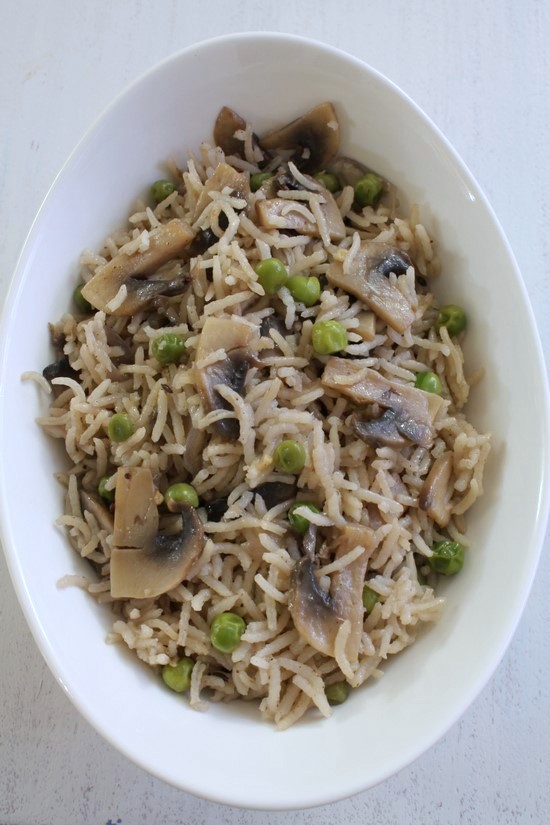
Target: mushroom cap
x=222 y=177
x=278 y=213
x=312 y=609
x=315 y=137
x=231 y=336
x=415 y=411
x=317 y=615
x=161 y=565
x=166 y=242
x=367 y=279
x=225 y=126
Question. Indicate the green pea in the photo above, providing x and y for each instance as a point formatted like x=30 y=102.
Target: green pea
x=161 y=189
x=258 y=178
x=370 y=598
x=304 y=289
x=226 y=631
x=329 y=181
x=272 y=275
x=429 y=382
x=120 y=427
x=337 y=693
x=453 y=317
x=289 y=456
x=168 y=348
x=180 y=494
x=178 y=676
x=328 y=337
x=82 y=304
x=300 y=523
x=108 y=495
x=368 y=189
x=448 y=557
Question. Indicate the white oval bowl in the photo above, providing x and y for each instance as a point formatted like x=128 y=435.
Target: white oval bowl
x=228 y=754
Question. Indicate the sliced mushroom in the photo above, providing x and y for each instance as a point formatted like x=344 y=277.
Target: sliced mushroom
x=160 y=565
x=166 y=242
x=314 y=137
x=141 y=292
x=435 y=495
x=318 y=615
x=415 y=411
x=223 y=176
x=233 y=337
x=368 y=280
x=227 y=123
x=136 y=514
x=95 y=506
x=280 y=213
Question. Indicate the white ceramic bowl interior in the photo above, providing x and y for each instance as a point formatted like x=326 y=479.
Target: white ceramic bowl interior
x=228 y=754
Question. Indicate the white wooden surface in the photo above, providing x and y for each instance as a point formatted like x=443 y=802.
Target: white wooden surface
x=482 y=72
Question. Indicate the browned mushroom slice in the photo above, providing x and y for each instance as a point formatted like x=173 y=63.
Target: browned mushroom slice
x=368 y=280
x=136 y=514
x=223 y=176
x=435 y=494
x=95 y=506
x=160 y=565
x=314 y=137
x=227 y=123
x=280 y=213
x=415 y=411
x=166 y=243
x=318 y=615
x=233 y=337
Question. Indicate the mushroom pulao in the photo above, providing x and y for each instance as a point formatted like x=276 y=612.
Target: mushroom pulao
x=262 y=402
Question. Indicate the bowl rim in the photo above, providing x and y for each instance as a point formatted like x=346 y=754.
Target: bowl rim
x=54 y=662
